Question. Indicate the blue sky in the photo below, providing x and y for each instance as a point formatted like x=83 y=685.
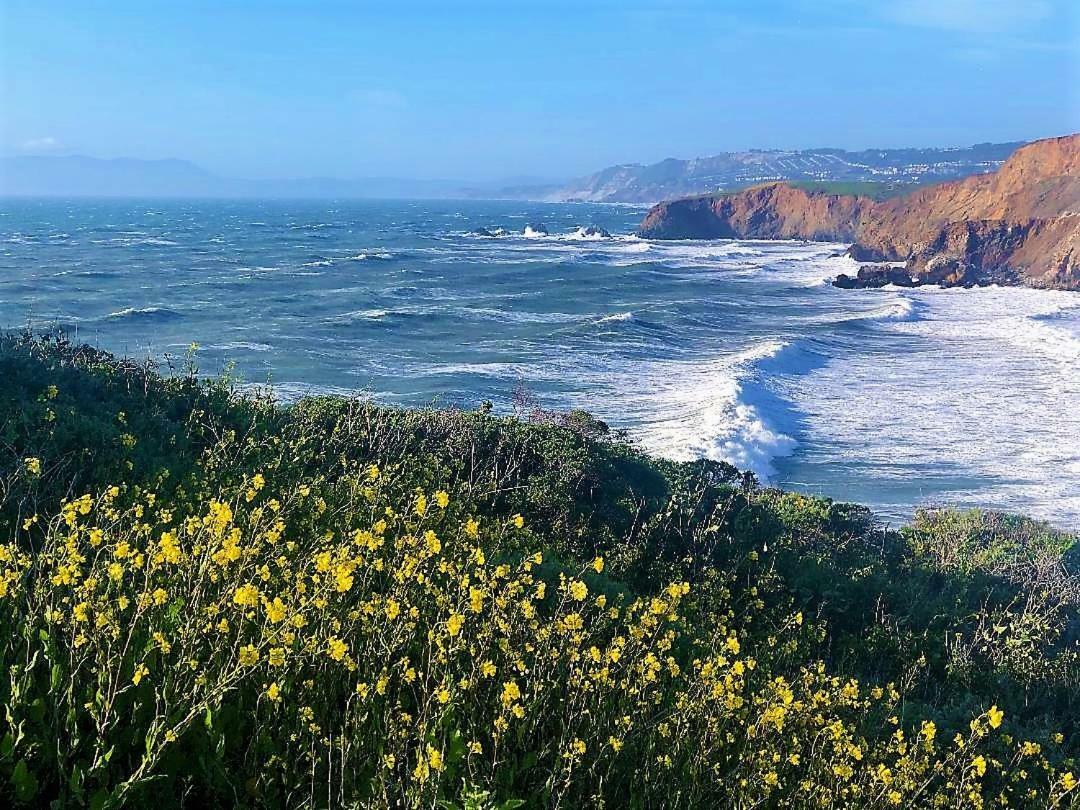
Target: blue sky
x=485 y=90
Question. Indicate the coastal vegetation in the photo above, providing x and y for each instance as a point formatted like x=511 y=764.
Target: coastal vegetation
x=208 y=599
x=871 y=189
x=875 y=190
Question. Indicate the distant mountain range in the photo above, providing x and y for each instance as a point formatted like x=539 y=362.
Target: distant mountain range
x=79 y=176
x=671 y=178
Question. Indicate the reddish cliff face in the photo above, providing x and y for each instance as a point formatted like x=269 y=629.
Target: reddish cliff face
x=774 y=211
x=1019 y=224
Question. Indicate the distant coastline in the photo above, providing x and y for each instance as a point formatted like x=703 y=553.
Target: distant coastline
x=627 y=184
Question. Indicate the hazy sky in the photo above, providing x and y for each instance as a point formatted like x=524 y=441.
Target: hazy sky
x=537 y=88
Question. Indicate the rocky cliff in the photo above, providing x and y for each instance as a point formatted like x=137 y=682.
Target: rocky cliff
x=1020 y=224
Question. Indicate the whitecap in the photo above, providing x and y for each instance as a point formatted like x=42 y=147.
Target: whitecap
x=133 y=313
x=616 y=317
x=241 y=345
x=363 y=257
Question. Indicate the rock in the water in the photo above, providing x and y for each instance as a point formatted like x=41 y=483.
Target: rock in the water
x=491 y=232
x=593 y=232
x=871 y=276
x=536 y=229
x=862 y=253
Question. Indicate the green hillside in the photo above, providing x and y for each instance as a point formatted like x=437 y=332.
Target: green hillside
x=209 y=600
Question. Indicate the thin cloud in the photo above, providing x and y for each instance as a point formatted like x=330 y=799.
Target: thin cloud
x=45 y=144
x=973 y=16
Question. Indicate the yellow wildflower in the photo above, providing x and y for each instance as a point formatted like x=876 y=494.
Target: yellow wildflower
x=247 y=595
x=336 y=648
x=275 y=610
x=979 y=765
x=434 y=758
x=510 y=693
x=454 y=623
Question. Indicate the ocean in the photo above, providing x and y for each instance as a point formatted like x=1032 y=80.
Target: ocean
x=733 y=350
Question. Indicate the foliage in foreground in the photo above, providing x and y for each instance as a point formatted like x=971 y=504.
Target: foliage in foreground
x=209 y=600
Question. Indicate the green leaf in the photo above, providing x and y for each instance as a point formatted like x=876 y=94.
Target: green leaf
x=75 y=781
x=24 y=782
x=99 y=799
x=455 y=748
x=37 y=710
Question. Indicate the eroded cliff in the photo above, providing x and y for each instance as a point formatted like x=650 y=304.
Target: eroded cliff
x=1020 y=224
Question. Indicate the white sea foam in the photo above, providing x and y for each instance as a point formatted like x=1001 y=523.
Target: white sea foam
x=1056 y=333
x=364 y=256
x=581 y=235
x=242 y=345
x=976 y=394
x=500 y=370
x=721 y=409
x=900 y=308
x=616 y=317
x=517 y=316
x=142 y=312
x=360 y=315
x=135 y=239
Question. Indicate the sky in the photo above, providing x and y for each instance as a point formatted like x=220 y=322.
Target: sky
x=539 y=90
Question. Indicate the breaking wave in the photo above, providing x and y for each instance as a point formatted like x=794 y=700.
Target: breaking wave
x=724 y=409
